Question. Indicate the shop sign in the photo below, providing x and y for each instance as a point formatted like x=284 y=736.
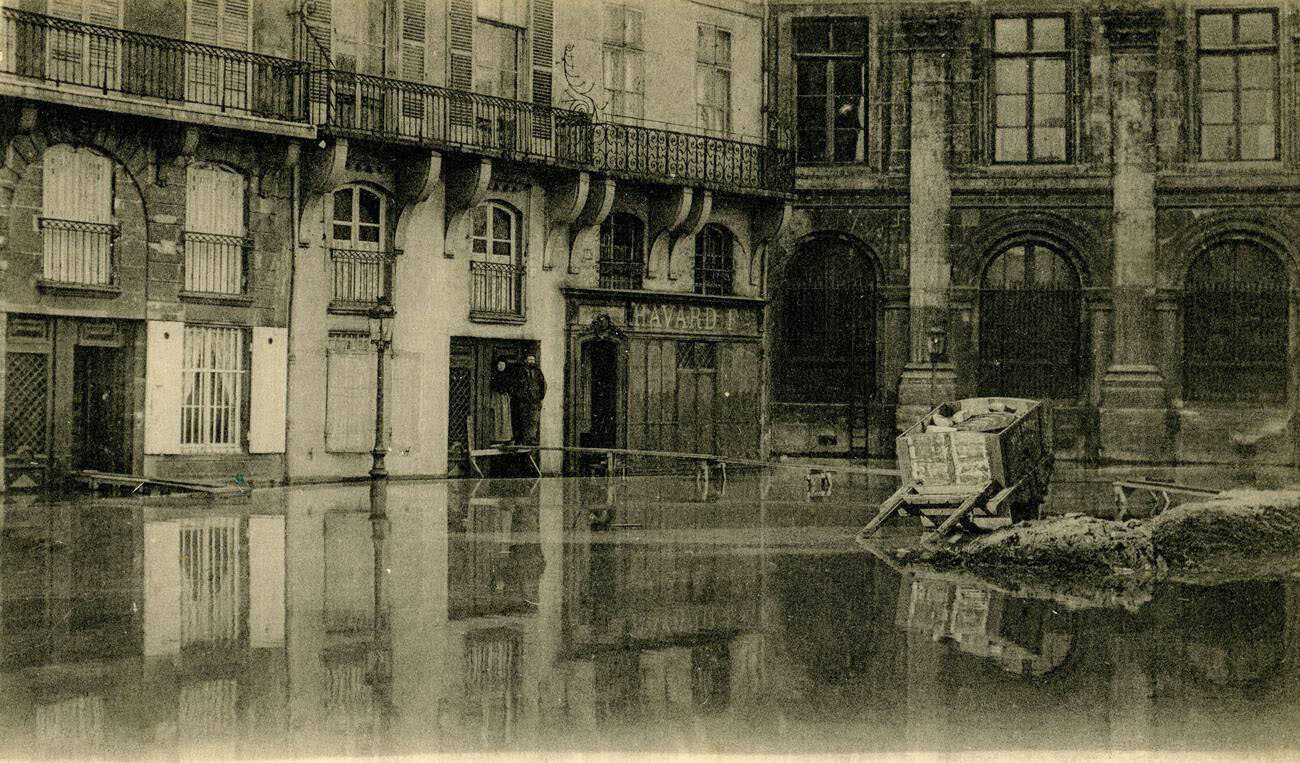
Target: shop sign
x=694 y=319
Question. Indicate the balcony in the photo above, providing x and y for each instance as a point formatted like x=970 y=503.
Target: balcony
x=698 y=160
x=146 y=71
x=399 y=111
x=78 y=257
x=496 y=292
x=360 y=279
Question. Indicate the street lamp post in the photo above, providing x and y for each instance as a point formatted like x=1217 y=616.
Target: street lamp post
x=936 y=336
x=381 y=335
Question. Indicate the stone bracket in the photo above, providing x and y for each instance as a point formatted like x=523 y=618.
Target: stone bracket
x=679 y=216
x=324 y=170
x=417 y=177
x=765 y=229
x=466 y=187
x=186 y=144
x=564 y=203
x=600 y=200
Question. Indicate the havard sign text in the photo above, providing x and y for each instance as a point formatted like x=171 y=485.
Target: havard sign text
x=695 y=319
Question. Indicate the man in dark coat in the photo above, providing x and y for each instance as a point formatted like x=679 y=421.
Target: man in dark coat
x=526 y=395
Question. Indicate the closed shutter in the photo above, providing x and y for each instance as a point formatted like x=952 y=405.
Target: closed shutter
x=77 y=185
x=414 y=32
x=220 y=22
x=266 y=416
x=205 y=21
x=59 y=183
x=214 y=201
x=104 y=12
x=349 y=401
x=162 y=402
x=460 y=22
x=543 y=58
x=235 y=26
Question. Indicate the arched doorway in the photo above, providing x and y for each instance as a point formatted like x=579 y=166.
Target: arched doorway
x=1030 y=325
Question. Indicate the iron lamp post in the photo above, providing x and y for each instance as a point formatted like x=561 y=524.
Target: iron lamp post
x=381 y=335
x=936 y=338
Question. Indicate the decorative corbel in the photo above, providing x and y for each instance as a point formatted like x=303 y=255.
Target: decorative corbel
x=667 y=214
x=325 y=169
x=697 y=218
x=28 y=116
x=466 y=187
x=187 y=144
x=766 y=227
x=269 y=162
x=600 y=200
x=416 y=179
x=564 y=203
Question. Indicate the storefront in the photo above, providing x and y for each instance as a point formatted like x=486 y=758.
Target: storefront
x=665 y=372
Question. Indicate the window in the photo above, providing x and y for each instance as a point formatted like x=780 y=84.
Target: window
x=214 y=230
x=77 y=228
x=624 y=62
x=827 y=325
x=212 y=387
x=1237 y=63
x=713 y=77
x=1030 y=325
x=209 y=79
x=1235 y=317
x=495 y=266
x=1031 y=89
x=362 y=265
x=496 y=60
x=697 y=356
x=831 y=89
x=714 y=263
x=622 y=252
x=85 y=59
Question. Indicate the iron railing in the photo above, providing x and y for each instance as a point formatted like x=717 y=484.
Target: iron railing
x=496 y=289
x=77 y=252
x=620 y=274
x=112 y=60
x=697 y=159
x=360 y=278
x=215 y=263
x=400 y=110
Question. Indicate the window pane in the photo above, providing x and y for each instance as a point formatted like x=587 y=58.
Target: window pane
x=1009 y=35
x=479 y=246
x=501 y=248
x=1255 y=28
x=1049 y=144
x=1217 y=142
x=1216 y=30
x=1216 y=73
x=368 y=234
x=1049 y=110
x=1257 y=142
x=1010 y=145
x=633 y=79
x=812 y=36
x=632 y=28
x=1257 y=71
x=1257 y=107
x=1011 y=111
x=369 y=207
x=480 y=221
x=343 y=205
x=848 y=112
x=500 y=223
x=1216 y=108
x=812 y=145
x=848 y=145
x=722 y=52
x=1011 y=75
x=810 y=77
x=704 y=44
x=1049 y=34
x=850 y=36
x=614 y=24
x=848 y=77
x=1049 y=76
x=342 y=233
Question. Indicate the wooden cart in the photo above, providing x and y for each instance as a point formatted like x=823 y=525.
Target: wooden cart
x=973 y=464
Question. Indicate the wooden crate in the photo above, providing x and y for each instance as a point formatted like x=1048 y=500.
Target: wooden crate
x=960 y=463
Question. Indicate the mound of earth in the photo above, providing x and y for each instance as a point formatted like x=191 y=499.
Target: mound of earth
x=1237 y=522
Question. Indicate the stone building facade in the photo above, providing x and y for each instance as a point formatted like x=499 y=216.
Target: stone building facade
x=1088 y=203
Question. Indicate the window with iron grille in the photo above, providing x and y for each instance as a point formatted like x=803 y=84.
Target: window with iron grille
x=77 y=230
x=830 y=60
x=1237 y=79
x=697 y=356
x=214 y=230
x=624 y=62
x=713 y=77
x=622 y=252
x=361 y=261
x=1236 y=311
x=1030 y=325
x=212 y=387
x=827 y=325
x=495 y=263
x=714 y=263
x=1031 y=89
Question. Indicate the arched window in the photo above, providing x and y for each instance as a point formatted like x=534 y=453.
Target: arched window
x=1235 y=318
x=77 y=228
x=622 y=252
x=714 y=265
x=827 y=325
x=1030 y=325
x=362 y=264
x=495 y=261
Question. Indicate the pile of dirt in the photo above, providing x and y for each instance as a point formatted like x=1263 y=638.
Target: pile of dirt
x=1238 y=522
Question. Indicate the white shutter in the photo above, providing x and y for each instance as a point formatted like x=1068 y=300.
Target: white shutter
x=162 y=588
x=265 y=581
x=214 y=201
x=235 y=27
x=95 y=181
x=104 y=12
x=58 y=183
x=349 y=402
x=205 y=21
x=266 y=415
x=162 y=400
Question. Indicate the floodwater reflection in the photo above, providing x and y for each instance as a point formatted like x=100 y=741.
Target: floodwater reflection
x=492 y=616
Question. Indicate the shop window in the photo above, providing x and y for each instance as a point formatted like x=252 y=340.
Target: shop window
x=1237 y=78
x=624 y=62
x=213 y=387
x=77 y=230
x=714 y=260
x=827 y=325
x=1235 y=318
x=215 y=246
x=1031 y=93
x=713 y=77
x=362 y=263
x=1030 y=325
x=622 y=252
x=831 y=89
x=495 y=265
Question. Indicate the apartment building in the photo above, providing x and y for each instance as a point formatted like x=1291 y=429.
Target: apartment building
x=1089 y=203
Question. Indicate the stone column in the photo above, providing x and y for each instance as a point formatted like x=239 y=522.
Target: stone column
x=1133 y=399
x=930 y=41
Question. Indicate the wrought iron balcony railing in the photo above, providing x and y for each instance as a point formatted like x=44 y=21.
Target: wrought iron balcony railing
x=360 y=279
x=620 y=274
x=78 y=253
x=695 y=159
x=402 y=111
x=108 y=60
x=496 y=289
x=215 y=263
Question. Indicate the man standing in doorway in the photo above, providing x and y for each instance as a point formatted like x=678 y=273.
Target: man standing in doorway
x=526 y=402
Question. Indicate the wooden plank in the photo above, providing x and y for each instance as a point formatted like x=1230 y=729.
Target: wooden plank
x=966 y=507
x=891 y=505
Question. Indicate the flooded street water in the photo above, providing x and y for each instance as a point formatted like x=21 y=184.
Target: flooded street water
x=490 y=616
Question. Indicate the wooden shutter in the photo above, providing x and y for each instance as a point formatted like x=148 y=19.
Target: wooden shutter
x=162 y=400
x=214 y=201
x=235 y=26
x=349 y=401
x=460 y=23
x=59 y=183
x=543 y=57
x=220 y=22
x=104 y=12
x=415 y=25
x=266 y=416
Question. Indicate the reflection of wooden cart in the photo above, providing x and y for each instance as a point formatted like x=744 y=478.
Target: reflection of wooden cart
x=973 y=463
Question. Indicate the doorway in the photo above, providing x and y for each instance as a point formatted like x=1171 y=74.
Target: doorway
x=602 y=388
x=97 y=409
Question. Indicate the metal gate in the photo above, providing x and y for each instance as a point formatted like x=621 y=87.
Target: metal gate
x=460 y=402
x=27 y=421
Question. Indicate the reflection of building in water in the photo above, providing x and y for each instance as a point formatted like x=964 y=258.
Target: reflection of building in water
x=493 y=662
